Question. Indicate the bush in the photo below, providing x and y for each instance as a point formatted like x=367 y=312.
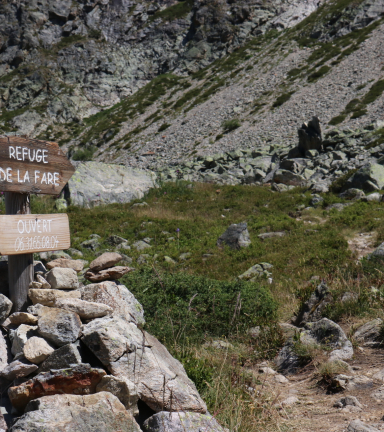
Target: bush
x=337 y=120
x=318 y=74
x=181 y=307
x=230 y=125
x=339 y=183
x=85 y=154
x=282 y=99
x=163 y=127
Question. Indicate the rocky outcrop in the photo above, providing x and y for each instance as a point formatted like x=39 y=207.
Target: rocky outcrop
x=310 y=136
x=236 y=236
x=312 y=310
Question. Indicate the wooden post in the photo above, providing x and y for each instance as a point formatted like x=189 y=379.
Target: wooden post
x=20 y=267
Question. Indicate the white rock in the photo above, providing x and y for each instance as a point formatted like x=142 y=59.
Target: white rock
x=48 y=297
x=63 y=278
x=21 y=335
x=36 y=350
x=85 y=309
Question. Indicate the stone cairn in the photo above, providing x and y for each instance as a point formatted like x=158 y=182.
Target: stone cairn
x=79 y=359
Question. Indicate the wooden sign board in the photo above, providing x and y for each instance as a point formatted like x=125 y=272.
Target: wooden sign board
x=25 y=234
x=28 y=165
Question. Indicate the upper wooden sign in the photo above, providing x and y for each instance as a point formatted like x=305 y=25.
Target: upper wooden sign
x=28 y=165
x=21 y=234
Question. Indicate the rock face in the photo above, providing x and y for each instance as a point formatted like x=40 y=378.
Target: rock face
x=63 y=413
x=81 y=378
x=122 y=301
x=310 y=136
x=236 y=236
x=181 y=422
x=58 y=326
x=95 y=183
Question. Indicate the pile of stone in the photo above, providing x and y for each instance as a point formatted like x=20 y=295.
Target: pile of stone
x=103 y=268
x=316 y=162
x=79 y=359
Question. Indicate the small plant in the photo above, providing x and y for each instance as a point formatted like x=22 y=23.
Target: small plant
x=85 y=154
x=231 y=125
x=337 y=120
x=313 y=77
x=218 y=137
x=282 y=99
x=163 y=127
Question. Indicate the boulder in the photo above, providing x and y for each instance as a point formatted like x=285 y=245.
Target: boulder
x=369 y=178
x=236 y=236
x=115 y=240
x=20 y=337
x=181 y=422
x=37 y=349
x=105 y=260
x=161 y=380
x=322 y=334
x=58 y=326
x=122 y=301
x=369 y=334
x=359 y=426
x=310 y=136
x=313 y=308
x=18 y=369
x=351 y=383
x=352 y=194
x=5 y=307
x=80 y=379
x=112 y=273
x=379 y=251
x=62 y=357
x=18 y=318
x=269 y=235
x=288 y=178
x=141 y=245
x=348 y=401
x=48 y=297
x=44 y=283
x=257 y=271
x=101 y=412
x=85 y=309
x=76 y=265
x=122 y=388
x=96 y=183
x=62 y=278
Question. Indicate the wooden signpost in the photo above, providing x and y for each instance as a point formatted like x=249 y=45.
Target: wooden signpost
x=30 y=166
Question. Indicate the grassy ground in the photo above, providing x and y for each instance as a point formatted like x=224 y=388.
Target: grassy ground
x=315 y=244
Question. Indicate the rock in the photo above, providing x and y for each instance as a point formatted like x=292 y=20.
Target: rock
x=68 y=412
x=236 y=236
x=61 y=205
x=62 y=278
x=85 y=309
x=369 y=178
x=115 y=240
x=349 y=401
x=378 y=393
x=281 y=379
x=351 y=383
x=76 y=265
x=359 y=426
x=20 y=337
x=80 y=379
x=48 y=297
x=58 y=326
x=218 y=344
x=96 y=183
x=184 y=256
x=44 y=283
x=18 y=369
x=112 y=273
x=291 y=400
x=123 y=389
x=181 y=422
x=75 y=252
x=161 y=380
x=271 y=235
x=39 y=268
x=288 y=178
x=322 y=334
x=62 y=357
x=313 y=308
x=141 y=245
x=18 y=318
x=36 y=350
x=257 y=271
x=288 y=330
x=373 y=197
x=352 y=194
x=379 y=251
x=5 y=307
x=105 y=260
x=92 y=244
x=169 y=260
x=267 y=370
x=122 y=301
x=5 y=352
x=369 y=334
x=310 y=136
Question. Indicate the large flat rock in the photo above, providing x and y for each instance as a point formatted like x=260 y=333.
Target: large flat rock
x=96 y=183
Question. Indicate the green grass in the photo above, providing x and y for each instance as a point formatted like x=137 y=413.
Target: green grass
x=282 y=99
x=337 y=120
x=231 y=125
x=177 y=11
x=313 y=77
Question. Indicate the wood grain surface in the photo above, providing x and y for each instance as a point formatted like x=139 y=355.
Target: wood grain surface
x=35 y=166
x=27 y=234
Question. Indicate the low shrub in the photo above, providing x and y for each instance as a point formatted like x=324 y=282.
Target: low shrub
x=282 y=99
x=182 y=306
x=85 y=154
x=230 y=125
x=163 y=127
x=338 y=184
x=337 y=120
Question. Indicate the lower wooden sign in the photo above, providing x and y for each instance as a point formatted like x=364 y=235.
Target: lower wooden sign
x=21 y=234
